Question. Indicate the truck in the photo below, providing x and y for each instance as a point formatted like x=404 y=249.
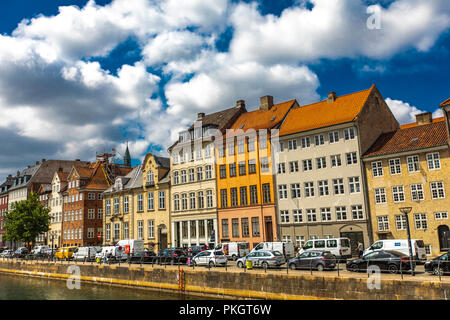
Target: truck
x=234 y=250
x=286 y=248
x=131 y=246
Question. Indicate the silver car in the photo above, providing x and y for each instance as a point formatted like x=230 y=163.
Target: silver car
x=210 y=257
x=262 y=258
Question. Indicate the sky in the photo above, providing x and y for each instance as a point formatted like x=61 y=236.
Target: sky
x=81 y=77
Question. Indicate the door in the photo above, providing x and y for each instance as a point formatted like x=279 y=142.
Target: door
x=269 y=230
x=355 y=237
x=444 y=238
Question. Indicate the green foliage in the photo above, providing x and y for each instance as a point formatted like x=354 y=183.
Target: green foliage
x=27 y=220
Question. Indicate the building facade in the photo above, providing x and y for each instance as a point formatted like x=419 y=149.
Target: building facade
x=193 y=209
x=320 y=180
x=245 y=184
x=410 y=168
x=4 y=187
x=56 y=200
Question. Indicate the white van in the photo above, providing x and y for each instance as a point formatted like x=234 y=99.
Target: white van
x=39 y=250
x=130 y=247
x=111 y=252
x=339 y=247
x=85 y=253
x=286 y=248
x=234 y=250
x=400 y=245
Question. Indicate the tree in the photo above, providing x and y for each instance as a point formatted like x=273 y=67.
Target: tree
x=27 y=220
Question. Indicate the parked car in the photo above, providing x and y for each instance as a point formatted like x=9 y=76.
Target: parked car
x=339 y=247
x=39 y=250
x=21 y=252
x=210 y=258
x=286 y=248
x=438 y=265
x=400 y=245
x=171 y=254
x=319 y=260
x=234 y=250
x=7 y=253
x=388 y=260
x=194 y=250
x=64 y=253
x=262 y=258
x=143 y=256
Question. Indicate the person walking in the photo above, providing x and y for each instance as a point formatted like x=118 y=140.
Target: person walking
x=359 y=249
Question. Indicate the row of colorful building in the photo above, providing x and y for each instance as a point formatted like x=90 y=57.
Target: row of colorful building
x=342 y=167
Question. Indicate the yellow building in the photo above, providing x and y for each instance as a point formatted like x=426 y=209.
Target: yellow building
x=410 y=167
x=245 y=181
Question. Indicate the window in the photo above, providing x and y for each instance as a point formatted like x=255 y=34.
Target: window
x=282 y=191
x=221 y=149
x=223 y=171
x=251 y=144
x=241 y=145
x=223 y=198
x=325 y=213
x=323 y=188
x=255 y=226
x=108 y=232
x=309 y=189
x=354 y=185
x=90 y=233
x=383 y=223
x=292 y=144
x=349 y=134
x=440 y=215
x=198 y=153
x=91 y=213
x=192 y=200
x=433 y=161
x=235 y=227
x=281 y=144
x=162 y=200
x=176 y=202
x=338 y=186
x=380 y=195
x=333 y=137
x=336 y=160
x=357 y=212
x=306 y=142
x=184 y=201
x=300 y=241
x=297 y=214
x=116 y=231
x=263 y=141
x=191 y=175
x=428 y=249
x=91 y=196
x=183 y=176
x=233 y=197
x=116 y=205
x=225 y=229
x=242 y=169
x=150 y=177
x=99 y=214
x=319 y=140
x=176 y=178
x=251 y=166
x=420 y=220
x=321 y=163
x=417 y=192
x=208 y=172
x=437 y=190
x=264 y=164
x=413 y=163
x=253 y=195
x=351 y=158
x=293 y=166
x=377 y=169
x=266 y=193
x=400 y=222
x=150 y=201
x=398 y=194
x=394 y=166
x=341 y=213
x=281 y=168
x=140 y=202
x=286 y=239
x=245 y=227
x=209 y=199
x=140 y=230
x=311 y=215
x=307 y=165
x=199 y=173
x=243 y=195
x=295 y=190
x=151 y=228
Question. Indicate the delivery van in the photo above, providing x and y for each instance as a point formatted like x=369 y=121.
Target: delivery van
x=339 y=247
x=400 y=245
x=85 y=253
x=130 y=247
x=65 y=253
x=286 y=248
x=234 y=250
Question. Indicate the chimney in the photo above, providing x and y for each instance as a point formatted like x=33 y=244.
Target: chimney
x=60 y=169
x=331 y=97
x=424 y=118
x=266 y=103
x=200 y=115
x=240 y=104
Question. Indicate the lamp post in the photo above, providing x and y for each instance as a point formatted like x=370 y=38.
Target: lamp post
x=406 y=211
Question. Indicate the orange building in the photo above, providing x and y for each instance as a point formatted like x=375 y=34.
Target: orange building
x=245 y=184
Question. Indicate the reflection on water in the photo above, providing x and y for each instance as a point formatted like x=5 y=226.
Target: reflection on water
x=14 y=287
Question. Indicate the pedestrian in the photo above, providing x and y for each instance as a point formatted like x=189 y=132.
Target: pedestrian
x=359 y=248
x=105 y=256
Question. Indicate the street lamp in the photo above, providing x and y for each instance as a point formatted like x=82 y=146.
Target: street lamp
x=406 y=211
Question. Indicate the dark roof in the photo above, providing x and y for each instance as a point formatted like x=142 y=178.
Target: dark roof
x=8 y=183
x=410 y=139
x=163 y=162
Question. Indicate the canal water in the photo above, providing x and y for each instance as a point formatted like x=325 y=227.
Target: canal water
x=14 y=287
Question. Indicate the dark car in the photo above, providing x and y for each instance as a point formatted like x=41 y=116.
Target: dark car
x=439 y=265
x=172 y=255
x=144 y=257
x=319 y=260
x=386 y=260
x=21 y=252
x=194 y=250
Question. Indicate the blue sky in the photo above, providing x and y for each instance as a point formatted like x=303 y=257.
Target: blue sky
x=85 y=78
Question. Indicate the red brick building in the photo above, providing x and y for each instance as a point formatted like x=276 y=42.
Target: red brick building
x=4 y=187
x=83 y=204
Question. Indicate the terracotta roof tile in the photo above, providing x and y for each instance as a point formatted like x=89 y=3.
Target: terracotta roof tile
x=445 y=103
x=409 y=139
x=322 y=114
x=414 y=124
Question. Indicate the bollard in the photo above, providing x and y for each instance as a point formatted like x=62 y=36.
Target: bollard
x=367 y=268
x=338 y=266
x=310 y=267
x=401 y=270
x=439 y=270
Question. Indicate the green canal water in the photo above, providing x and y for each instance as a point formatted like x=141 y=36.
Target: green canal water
x=14 y=287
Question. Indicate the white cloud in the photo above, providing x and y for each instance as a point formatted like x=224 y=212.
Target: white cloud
x=405 y=113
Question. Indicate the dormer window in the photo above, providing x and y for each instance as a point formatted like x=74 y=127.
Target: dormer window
x=150 y=177
x=118 y=184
